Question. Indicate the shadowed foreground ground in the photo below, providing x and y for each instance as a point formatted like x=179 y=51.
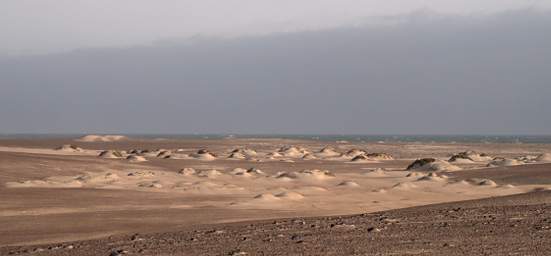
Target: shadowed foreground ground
x=511 y=225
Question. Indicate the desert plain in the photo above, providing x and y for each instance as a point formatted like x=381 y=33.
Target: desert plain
x=114 y=195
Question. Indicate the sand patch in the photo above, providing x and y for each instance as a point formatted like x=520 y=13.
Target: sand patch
x=102 y=138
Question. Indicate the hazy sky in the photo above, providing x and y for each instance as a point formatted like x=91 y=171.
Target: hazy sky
x=484 y=71
x=38 y=26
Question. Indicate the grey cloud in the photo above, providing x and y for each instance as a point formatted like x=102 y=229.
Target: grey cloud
x=449 y=75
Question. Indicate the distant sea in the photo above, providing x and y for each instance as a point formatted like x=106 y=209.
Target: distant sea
x=542 y=139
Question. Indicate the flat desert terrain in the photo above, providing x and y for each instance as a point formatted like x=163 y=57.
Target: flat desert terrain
x=111 y=195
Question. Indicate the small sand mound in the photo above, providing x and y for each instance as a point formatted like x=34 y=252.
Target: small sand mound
x=187 y=172
x=164 y=154
x=328 y=152
x=45 y=184
x=404 y=186
x=291 y=151
x=499 y=162
x=236 y=155
x=431 y=165
x=355 y=152
x=135 y=158
x=311 y=175
x=348 y=184
x=177 y=156
x=379 y=156
x=420 y=163
x=135 y=151
x=309 y=157
x=311 y=189
x=285 y=176
x=362 y=159
x=245 y=151
x=149 y=153
x=315 y=174
x=102 y=138
x=379 y=172
x=246 y=172
x=459 y=183
x=415 y=174
x=141 y=174
x=111 y=154
x=545 y=157
x=267 y=197
x=469 y=157
x=540 y=189
x=209 y=174
x=207 y=187
x=482 y=182
x=289 y=195
x=458 y=160
x=101 y=178
x=205 y=155
x=69 y=148
x=433 y=177
x=153 y=184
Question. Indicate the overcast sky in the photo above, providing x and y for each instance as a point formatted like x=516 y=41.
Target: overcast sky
x=481 y=67
x=38 y=26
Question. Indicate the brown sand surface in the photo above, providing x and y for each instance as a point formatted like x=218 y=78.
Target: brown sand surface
x=53 y=196
x=510 y=225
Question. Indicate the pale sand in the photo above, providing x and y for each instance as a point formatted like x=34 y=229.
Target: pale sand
x=133 y=194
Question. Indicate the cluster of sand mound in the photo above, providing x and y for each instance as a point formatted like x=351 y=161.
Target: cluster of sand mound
x=469 y=157
x=121 y=154
x=102 y=138
x=431 y=164
x=84 y=180
x=69 y=148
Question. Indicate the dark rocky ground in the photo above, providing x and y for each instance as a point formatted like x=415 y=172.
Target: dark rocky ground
x=511 y=225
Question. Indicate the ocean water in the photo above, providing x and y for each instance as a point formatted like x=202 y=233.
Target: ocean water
x=541 y=139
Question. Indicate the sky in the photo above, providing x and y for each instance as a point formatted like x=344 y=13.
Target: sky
x=275 y=67
x=45 y=26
